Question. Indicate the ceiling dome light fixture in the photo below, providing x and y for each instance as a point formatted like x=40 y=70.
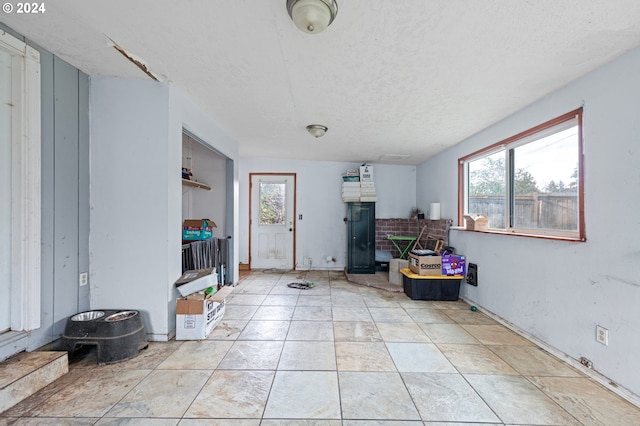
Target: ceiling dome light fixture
x=312 y=16
x=317 y=130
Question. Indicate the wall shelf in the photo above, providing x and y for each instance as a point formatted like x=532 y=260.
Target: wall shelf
x=187 y=182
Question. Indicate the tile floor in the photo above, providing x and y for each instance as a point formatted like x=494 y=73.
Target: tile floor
x=337 y=354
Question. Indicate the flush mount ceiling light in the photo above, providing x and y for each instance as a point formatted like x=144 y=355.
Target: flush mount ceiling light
x=317 y=130
x=312 y=16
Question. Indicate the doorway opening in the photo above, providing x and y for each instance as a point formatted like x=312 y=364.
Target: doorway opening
x=272 y=213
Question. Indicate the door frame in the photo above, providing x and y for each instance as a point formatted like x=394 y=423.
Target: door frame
x=295 y=204
x=26 y=187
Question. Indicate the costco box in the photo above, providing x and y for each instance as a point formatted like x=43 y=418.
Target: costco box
x=197 y=315
x=196 y=280
x=197 y=229
x=453 y=264
x=476 y=222
x=425 y=265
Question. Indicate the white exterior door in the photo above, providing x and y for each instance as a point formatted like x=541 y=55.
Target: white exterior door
x=272 y=219
x=5 y=190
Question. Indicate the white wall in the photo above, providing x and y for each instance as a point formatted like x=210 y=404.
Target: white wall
x=322 y=231
x=129 y=263
x=558 y=291
x=136 y=195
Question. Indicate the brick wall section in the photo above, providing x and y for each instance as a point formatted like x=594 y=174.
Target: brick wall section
x=409 y=228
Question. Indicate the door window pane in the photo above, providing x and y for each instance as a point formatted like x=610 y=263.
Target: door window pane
x=272 y=203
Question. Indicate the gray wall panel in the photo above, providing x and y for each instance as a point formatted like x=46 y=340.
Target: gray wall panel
x=83 y=186
x=65 y=294
x=45 y=333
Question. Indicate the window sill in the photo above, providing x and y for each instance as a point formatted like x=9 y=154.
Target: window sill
x=521 y=234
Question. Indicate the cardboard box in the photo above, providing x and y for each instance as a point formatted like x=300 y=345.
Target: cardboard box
x=425 y=265
x=196 y=280
x=366 y=173
x=476 y=222
x=453 y=264
x=197 y=229
x=197 y=315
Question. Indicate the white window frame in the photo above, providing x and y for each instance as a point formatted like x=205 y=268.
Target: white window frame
x=550 y=127
x=26 y=185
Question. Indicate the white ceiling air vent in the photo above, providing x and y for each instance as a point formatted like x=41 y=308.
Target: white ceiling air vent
x=394 y=157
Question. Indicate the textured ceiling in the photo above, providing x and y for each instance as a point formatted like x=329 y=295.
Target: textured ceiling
x=395 y=81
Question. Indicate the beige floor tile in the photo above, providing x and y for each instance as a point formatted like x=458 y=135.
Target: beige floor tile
x=356 y=332
x=401 y=332
x=220 y=422
x=363 y=356
x=72 y=401
x=381 y=302
x=533 y=361
x=274 y=313
x=245 y=299
x=419 y=358
x=475 y=359
x=42 y=421
x=588 y=401
x=390 y=315
x=495 y=335
x=239 y=312
x=304 y=395
x=311 y=330
x=318 y=290
x=150 y=398
x=297 y=355
x=429 y=316
x=375 y=396
x=254 y=288
x=312 y=313
x=517 y=401
x=389 y=423
x=228 y=329
x=448 y=333
x=459 y=304
x=197 y=355
x=265 y=330
x=281 y=300
x=281 y=287
x=348 y=313
x=314 y=300
x=252 y=355
x=121 y=421
x=233 y=394
x=446 y=398
x=347 y=300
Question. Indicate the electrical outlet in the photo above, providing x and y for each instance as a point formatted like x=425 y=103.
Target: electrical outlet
x=602 y=335
x=587 y=363
x=84 y=278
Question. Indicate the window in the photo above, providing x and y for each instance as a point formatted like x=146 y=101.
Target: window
x=529 y=184
x=272 y=203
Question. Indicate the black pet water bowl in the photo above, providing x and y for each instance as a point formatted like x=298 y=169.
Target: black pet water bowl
x=119 y=335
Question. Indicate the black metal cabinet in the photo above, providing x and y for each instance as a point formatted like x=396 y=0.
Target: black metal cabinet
x=361 y=238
